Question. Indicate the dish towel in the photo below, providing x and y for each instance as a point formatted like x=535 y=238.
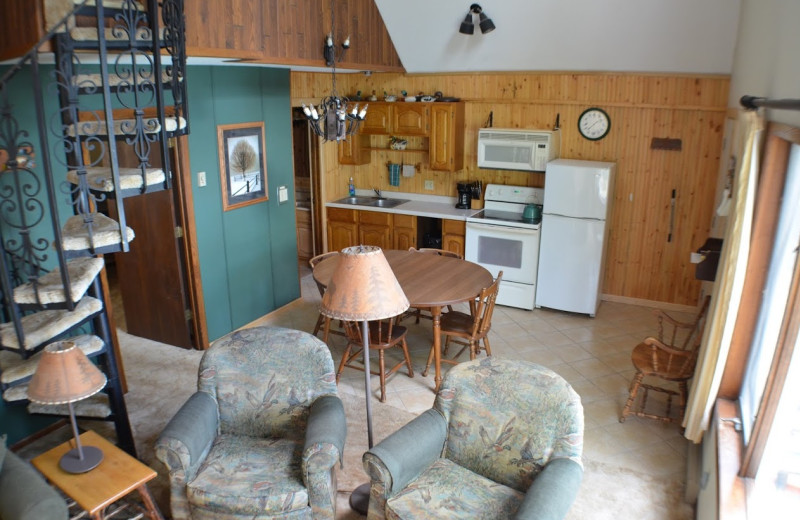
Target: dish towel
x=408 y=170
x=394 y=174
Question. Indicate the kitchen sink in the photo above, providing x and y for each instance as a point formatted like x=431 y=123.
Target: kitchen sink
x=375 y=202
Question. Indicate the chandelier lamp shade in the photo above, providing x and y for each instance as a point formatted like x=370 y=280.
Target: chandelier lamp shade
x=65 y=375
x=334 y=119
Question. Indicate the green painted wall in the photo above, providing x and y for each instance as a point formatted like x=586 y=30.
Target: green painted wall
x=248 y=255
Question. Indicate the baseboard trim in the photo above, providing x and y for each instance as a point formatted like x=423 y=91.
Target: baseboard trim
x=675 y=307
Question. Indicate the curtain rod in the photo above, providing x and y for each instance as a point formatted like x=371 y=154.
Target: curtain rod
x=753 y=103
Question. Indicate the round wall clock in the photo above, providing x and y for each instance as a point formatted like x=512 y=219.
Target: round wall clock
x=594 y=124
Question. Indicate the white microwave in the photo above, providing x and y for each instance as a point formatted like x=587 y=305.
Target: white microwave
x=515 y=149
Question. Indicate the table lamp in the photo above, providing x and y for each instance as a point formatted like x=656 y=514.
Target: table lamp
x=65 y=375
x=363 y=288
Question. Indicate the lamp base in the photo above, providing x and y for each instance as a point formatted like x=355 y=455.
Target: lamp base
x=71 y=461
x=359 y=499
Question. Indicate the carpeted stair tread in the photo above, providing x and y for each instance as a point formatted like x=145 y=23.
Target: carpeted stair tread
x=105 y=232
x=100 y=179
x=49 y=289
x=96 y=406
x=126 y=126
x=41 y=326
x=14 y=369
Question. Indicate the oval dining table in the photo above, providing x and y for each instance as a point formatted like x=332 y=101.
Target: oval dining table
x=429 y=281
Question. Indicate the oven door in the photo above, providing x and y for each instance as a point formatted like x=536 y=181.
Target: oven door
x=515 y=251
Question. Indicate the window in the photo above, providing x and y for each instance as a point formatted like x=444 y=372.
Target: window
x=770 y=394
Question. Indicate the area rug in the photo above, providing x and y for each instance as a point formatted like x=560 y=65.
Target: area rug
x=161 y=377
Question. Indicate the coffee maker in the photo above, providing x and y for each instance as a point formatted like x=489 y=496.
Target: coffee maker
x=464 y=195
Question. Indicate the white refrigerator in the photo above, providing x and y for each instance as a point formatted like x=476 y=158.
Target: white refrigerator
x=577 y=204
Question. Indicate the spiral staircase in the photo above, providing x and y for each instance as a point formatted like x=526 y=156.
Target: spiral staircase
x=119 y=80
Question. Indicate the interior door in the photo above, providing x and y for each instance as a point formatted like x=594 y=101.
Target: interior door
x=151 y=276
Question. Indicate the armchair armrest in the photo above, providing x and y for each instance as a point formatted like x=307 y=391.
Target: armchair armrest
x=552 y=492
x=325 y=434
x=188 y=436
x=403 y=455
x=25 y=495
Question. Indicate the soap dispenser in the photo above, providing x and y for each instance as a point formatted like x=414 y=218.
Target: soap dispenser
x=351 y=188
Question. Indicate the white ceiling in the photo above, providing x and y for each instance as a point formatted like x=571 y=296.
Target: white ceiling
x=680 y=36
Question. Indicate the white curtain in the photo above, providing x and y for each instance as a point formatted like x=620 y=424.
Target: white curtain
x=727 y=291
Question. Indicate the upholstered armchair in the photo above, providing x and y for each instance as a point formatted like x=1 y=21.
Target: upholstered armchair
x=24 y=493
x=503 y=440
x=263 y=433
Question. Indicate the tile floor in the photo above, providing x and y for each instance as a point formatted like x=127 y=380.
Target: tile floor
x=593 y=354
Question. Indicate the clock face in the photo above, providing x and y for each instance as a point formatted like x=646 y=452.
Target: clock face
x=594 y=124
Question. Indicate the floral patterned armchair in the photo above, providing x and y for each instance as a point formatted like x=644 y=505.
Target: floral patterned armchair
x=263 y=433
x=503 y=440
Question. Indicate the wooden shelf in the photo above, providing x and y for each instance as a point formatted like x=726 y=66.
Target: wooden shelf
x=377 y=148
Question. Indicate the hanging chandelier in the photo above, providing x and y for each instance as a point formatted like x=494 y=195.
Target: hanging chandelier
x=333 y=119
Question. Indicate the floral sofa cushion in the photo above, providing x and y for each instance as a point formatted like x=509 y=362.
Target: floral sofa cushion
x=446 y=490
x=270 y=398
x=250 y=476
x=506 y=420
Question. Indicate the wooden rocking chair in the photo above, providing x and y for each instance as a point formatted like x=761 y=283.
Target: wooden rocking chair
x=662 y=359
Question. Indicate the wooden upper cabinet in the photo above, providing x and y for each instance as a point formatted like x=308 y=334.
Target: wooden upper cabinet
x=354 y=150
x=397 y=118
x=290 y=33
x=379 y=119
x=410 y=118
x=447 y=137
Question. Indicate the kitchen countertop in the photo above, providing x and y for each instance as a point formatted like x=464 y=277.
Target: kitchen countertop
x=435 y=206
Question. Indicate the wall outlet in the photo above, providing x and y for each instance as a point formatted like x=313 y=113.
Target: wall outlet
x=201 y=179
x=429 y=185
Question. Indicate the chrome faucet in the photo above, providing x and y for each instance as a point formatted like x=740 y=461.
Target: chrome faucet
x=377 y=192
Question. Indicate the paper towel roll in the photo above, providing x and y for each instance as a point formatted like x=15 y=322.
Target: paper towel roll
x=725 y=206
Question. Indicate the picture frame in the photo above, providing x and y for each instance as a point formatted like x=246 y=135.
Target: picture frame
x=242 y=164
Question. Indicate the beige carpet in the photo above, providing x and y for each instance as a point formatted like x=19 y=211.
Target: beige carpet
x=162 y=377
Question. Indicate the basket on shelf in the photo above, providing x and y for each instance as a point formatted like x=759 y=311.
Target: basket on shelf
x=396 y=143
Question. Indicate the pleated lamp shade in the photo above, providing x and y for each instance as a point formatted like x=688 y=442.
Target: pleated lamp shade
x=363 y=287
x=64 y=375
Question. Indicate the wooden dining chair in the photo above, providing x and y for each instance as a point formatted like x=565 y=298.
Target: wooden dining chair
x=669 y=359
x=324 y=322
x=425 y=312
x=383 y=335
x=469 y=330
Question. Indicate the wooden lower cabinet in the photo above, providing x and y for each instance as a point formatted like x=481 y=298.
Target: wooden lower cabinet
x=305 y=247
x=342 y=228
x=348 y=227
x=404 y=232
x=453 y=234
x=375 y=229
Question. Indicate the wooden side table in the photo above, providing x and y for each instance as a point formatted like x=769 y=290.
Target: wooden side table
x=116 y=476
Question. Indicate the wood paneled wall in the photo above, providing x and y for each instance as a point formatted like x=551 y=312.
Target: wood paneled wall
x=644 y=262
x=280 y=32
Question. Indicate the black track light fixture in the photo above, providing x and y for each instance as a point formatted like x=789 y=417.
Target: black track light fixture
x=485 y=23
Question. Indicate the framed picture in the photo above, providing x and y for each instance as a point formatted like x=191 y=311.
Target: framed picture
x=242 y=164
